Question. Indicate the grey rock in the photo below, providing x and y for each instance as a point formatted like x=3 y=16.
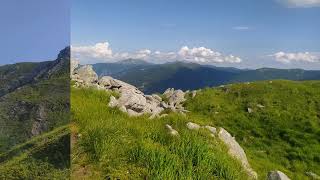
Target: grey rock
x=157 y=97
x=194 y=93
x=172 y=131
x=168 y=93
x=236 y=151
x=249 y=110
x=74 y=64
x=163 y=115
x=86 y=74
x=177 y=97
x=123 y=109
x=132 y=113
x=193 y=126
x=277 y=175
x=113 y=102
x=213 y=130
x=164 y=105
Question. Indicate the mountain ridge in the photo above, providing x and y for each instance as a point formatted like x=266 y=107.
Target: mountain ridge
x=152 y=78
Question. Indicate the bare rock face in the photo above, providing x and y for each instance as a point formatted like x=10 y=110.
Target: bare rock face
x=85 y=76
x=177 y=97
x=73 y=65
x=277 y=175
x=40 y=123
x=236 y=151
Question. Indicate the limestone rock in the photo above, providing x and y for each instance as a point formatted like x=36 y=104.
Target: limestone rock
x=172 y=131
x=177 y=97
x=236 y=151
x=277 y=175
x=193 y=126
x=113 y=102
x=123 y=109
x=194 y=93
x=86 y=75
x=213 y=130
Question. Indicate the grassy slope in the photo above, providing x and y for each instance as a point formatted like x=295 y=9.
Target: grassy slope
x=43 y=157
x=285 y=135
x=109 y=144
x=51 y=93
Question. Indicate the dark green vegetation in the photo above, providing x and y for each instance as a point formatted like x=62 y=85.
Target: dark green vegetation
x=158 y=77
x=283 y=135
x=34 y=100
x=109 y=144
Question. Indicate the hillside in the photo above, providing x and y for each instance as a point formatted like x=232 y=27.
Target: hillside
x=34 y=100
x=153 y=78
x=43 y=157
x=277 y=123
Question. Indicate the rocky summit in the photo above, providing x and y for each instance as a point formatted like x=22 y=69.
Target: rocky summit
x=131 y=100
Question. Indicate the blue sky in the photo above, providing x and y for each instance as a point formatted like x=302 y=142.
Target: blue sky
x=33 y=30
x=264 y=33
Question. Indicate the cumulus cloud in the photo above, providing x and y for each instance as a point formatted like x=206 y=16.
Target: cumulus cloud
x=99 y=50
x=205 y=55
x=296 y=57
x=102 y=52
x=300 y=3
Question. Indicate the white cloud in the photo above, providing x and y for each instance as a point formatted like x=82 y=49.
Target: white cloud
x=205 y=55
x=241 y=28
x=296 y=57
x=101 y=52
x=300 y=3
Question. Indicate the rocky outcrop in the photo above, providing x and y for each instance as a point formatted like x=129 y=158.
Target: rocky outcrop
x=131 y=100
x=236 y=151
x=84 y=76
x=40 y=124
x=277 y=175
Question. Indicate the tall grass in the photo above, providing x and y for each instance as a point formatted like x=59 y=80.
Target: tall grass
x=139 y=148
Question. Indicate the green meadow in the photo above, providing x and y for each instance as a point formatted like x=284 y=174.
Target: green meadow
x=282 y=135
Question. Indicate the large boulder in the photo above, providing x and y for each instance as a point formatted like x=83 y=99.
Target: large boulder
x=277 y=175
x=177 y=97
x=236 y=151
x=74 y=64
x=85 y=75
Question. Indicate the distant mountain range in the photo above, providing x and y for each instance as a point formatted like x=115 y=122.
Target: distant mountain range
x=152 y=78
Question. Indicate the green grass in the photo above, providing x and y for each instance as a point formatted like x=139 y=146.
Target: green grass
x=43 y=157
x=285 y=135
x=116 y=146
